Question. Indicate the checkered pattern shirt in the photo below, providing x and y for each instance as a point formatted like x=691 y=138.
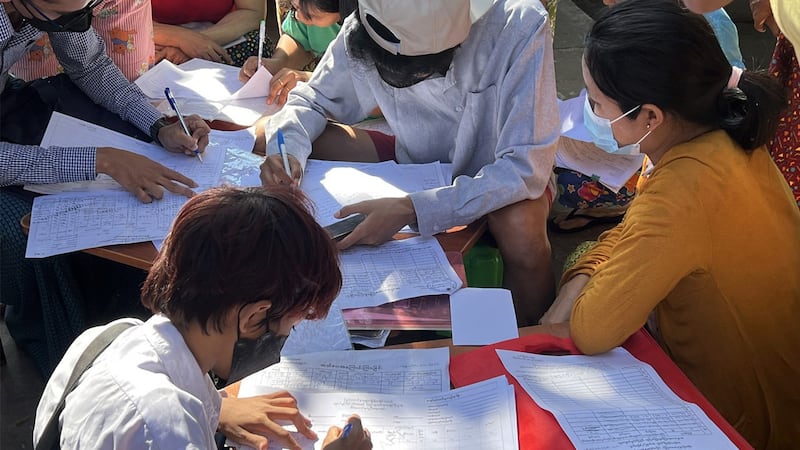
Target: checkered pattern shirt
x=84 y=59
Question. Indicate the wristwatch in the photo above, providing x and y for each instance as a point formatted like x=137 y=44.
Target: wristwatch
x=156 y=127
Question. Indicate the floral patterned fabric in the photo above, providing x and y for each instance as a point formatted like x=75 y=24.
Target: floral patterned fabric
x=785 y=146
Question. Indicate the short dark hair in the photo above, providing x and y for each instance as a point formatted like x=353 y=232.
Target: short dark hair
x=397 y=70
x=233 y=246
x=343 y=7
x=658 y=52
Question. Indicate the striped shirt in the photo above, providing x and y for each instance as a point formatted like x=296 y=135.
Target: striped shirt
x=83 y=57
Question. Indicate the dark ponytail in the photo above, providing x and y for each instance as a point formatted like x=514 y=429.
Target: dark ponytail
x=749 y=113
x=657 y=52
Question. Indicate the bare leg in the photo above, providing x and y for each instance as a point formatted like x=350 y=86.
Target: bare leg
x=343 y=143
x=521 y=234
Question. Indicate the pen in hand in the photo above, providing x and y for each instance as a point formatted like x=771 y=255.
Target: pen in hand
x=174 y=105
x=282 y=150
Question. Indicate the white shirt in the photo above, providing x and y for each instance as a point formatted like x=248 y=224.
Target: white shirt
x=145 y=391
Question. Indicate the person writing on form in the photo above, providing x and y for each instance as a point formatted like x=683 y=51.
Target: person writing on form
x=471 y=83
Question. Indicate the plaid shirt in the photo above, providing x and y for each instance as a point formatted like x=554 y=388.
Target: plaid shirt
x=84 y=59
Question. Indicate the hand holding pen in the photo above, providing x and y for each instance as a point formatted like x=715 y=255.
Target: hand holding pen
x=281 y=167
x=188 y=135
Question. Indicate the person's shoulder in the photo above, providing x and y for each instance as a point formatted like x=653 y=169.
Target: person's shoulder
x=516 y=14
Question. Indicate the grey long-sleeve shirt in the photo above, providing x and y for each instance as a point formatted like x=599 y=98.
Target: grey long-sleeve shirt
x=494 y=115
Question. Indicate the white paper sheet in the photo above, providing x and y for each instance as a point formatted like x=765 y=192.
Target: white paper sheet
x=332 y=185
x=482 y=316
x=400 y=371
x=612 y=401
x=211 y=90
x=319 y=335
x=67 y=131
x=476 y=417
x=577 y=153
x=72 y=221
x=395 y=270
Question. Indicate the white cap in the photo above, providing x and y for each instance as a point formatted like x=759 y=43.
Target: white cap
x=420 y=28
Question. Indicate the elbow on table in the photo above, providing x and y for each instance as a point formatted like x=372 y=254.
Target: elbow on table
x=591 y=339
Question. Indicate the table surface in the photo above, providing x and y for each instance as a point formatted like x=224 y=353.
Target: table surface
x=142 y=254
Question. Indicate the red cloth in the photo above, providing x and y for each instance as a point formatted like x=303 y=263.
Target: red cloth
x=178 y=12
x=538 y=429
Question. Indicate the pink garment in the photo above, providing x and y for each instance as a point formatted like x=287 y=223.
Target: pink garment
x=126 y=26
x=179 y=12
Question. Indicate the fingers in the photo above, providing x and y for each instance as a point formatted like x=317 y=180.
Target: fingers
x=248 y=69
x=200 y=131
x=280 y=85
x=243 y=436
x=274 y=172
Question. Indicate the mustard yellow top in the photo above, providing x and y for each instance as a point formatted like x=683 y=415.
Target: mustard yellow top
x=712 y=243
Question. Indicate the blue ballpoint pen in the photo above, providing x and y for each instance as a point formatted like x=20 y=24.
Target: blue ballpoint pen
x=174 y=105
x=282 y=150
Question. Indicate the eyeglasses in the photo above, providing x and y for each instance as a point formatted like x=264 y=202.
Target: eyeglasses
x=76 y=21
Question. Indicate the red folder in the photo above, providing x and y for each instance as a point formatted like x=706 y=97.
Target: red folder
x=538 y=429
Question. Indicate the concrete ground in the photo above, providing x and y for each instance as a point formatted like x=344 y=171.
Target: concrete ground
x=21 y=385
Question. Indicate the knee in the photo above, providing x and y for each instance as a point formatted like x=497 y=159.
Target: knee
x=521 y=232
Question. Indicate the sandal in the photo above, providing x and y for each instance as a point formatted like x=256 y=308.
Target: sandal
x=576 y=221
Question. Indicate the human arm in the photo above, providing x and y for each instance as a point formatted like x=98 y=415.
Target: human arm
x=762 y=17
x=664 y=238
x=84 y=59
x=245 y=17
x=251 y=421
x=288 y=54
x=510 y=120
x=330 y=92
x=144 y=178
x=384 y=218
x=191 y=43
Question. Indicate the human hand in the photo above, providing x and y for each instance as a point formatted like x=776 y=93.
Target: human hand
x=171 y=54
x=561 y=309
x=248 y=69
x=251 y=421
x=141 y=176
x=762 y=16
x=384 y=218
x=283 y=82
x=274 y=172
x=358 y=438
x=174 y=139
x=198 y=45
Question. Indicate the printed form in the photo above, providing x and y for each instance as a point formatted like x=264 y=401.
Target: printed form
x=400 y=371
x=481 y=416
x=332 y=185
x=395 y=270
x=612 y=401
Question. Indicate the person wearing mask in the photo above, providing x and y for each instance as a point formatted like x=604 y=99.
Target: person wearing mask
x=704 y=245
x=308 y=29
x=239 y=269
x=468 y=83
x=41 y=293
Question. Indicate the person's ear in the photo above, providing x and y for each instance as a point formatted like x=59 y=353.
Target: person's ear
x=652 y=115
x=253 y=317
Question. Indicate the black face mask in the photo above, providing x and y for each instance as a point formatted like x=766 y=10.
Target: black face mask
x=77 y=21
x=252 y=355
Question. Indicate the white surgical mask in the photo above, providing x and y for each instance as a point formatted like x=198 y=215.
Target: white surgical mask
x=603 y=134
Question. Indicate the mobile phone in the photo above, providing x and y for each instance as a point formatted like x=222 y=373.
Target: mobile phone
x=342 y=228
